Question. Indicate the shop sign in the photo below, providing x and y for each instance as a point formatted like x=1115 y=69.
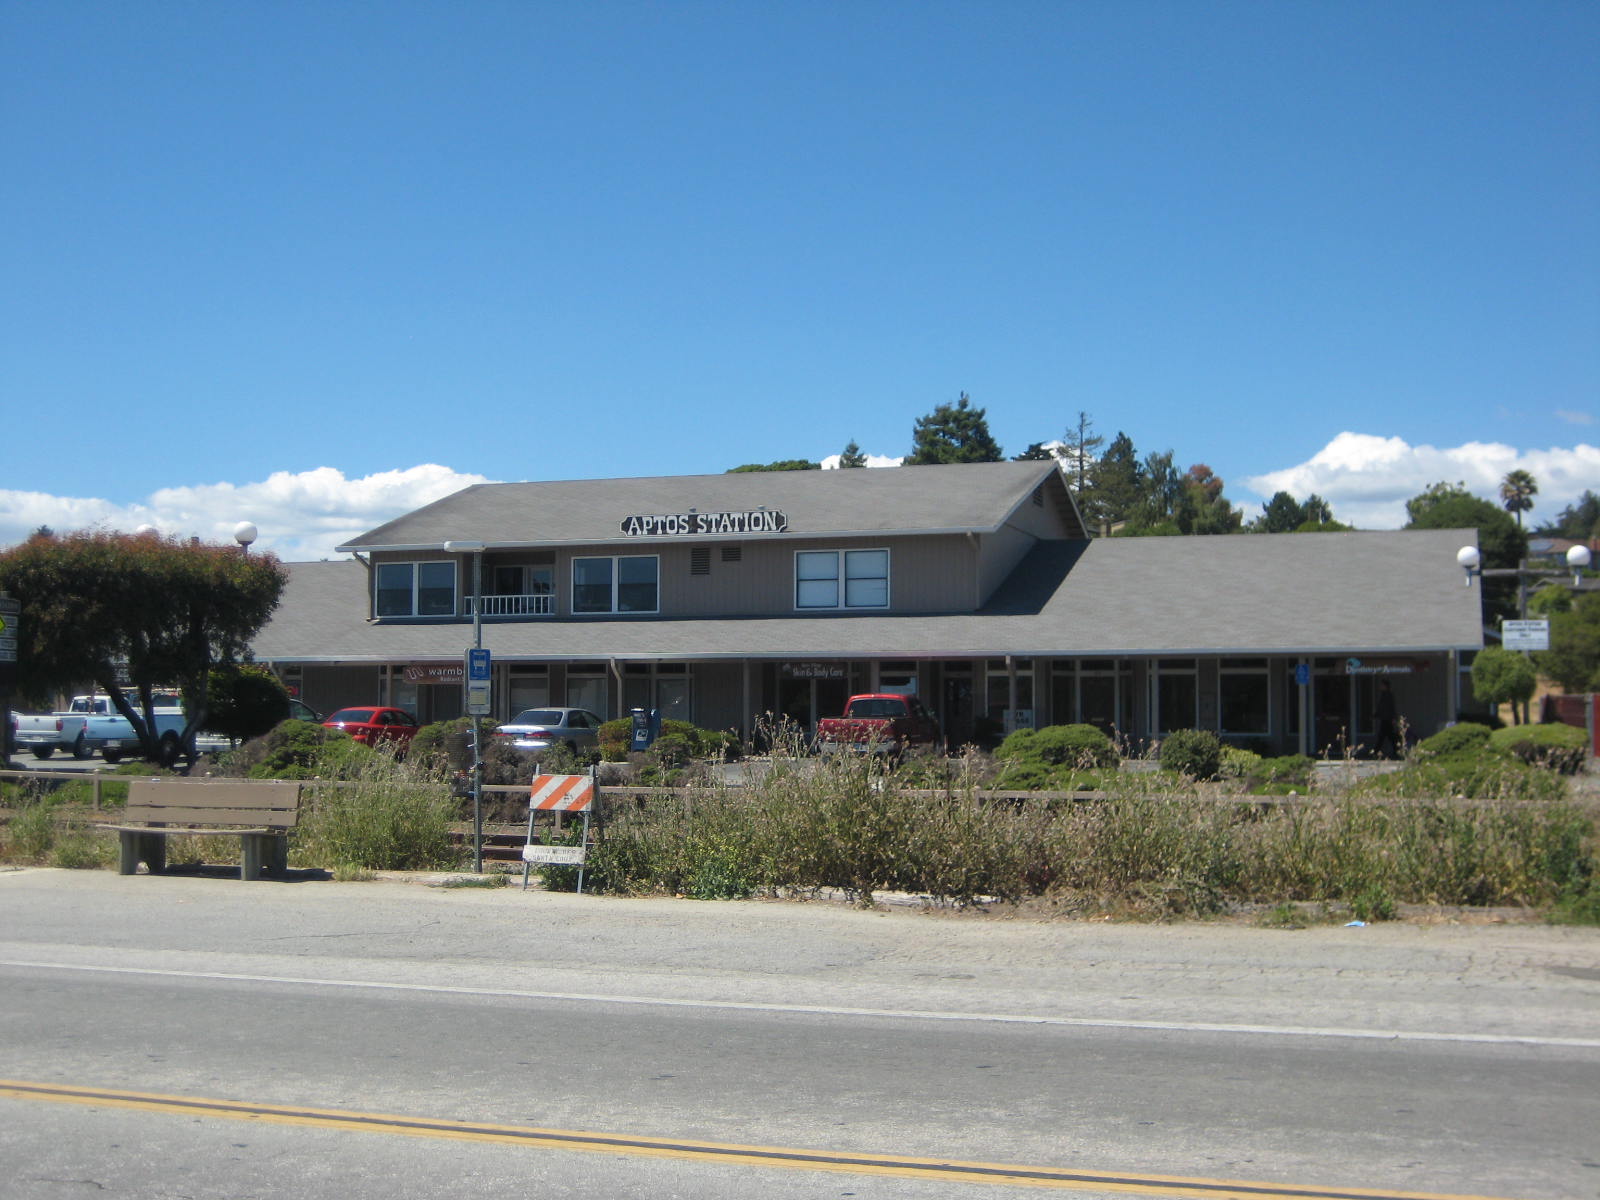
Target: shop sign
x=441 y=673
x=1525 y=635
x=699 y=524
x=1382 y=666
x=814 y=670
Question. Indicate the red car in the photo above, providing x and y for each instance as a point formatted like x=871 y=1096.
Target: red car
x=372 y=726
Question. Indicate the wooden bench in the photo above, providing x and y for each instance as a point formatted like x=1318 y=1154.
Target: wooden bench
x=259 y=812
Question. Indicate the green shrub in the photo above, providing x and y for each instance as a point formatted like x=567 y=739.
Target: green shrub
x=1556 y=747
x=1465 y=736
x=388 y=817
x=1282 y=775
x=1238 y=763
x=1195 y=753
x=447 y=744
x=1081 y=746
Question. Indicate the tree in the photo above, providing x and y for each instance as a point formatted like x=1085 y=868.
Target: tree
x=787 y=464
x=955 y=433
x=1501 y=676
x=1205 y=509
x=1517 y=491
x=101 y=608
x=244 y=701
x=1077 y=450
x=852 y=456
x=1281 y=514
x=1446 y=506
x=1573 y=659
x=1578 y=521
x=1116 y=485
x=1036 y=452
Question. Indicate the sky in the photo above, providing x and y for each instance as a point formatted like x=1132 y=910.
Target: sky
x=314 y=264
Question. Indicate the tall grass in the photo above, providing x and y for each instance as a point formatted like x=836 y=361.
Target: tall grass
x=1152 y=847
x=384 y=816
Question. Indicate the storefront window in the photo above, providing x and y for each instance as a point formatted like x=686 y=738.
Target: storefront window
x=1243 y=693
x=1177 y=694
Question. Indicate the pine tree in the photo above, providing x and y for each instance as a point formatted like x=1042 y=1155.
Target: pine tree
x=954 y=433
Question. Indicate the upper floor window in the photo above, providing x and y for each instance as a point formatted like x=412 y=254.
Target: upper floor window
x=625 y=584
x=841 y=579
x=424 y=589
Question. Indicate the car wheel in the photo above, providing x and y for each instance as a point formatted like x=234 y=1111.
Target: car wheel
x=111 y=756
x=43 y=751
x=80 y=748
x=169 y=751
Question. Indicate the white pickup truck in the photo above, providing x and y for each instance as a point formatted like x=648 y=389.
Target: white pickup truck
x=92 y=726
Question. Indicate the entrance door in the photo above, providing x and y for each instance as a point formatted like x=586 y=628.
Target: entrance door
x=1333 y=716
x=955 y=713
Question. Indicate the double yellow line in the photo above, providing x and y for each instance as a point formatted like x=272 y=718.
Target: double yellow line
x=718 y=1152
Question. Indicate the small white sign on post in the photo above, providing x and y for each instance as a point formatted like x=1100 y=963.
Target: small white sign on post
x=1525 y=635
x=564 y=856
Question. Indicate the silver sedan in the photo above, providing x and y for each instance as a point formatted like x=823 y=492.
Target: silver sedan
x=541 y=728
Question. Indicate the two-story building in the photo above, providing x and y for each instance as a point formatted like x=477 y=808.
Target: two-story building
x=718 y=599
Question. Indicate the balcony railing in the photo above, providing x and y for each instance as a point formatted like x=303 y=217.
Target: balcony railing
x=515 y=606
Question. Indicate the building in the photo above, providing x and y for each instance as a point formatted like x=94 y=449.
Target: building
x=717 y=599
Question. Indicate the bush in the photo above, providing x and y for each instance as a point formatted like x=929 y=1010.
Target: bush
x=1196 y=753
x=388 y=817
x=1279 y=776
x=1082 y=746
x=1555 y=747
x=1464 y=737
x=446 y=744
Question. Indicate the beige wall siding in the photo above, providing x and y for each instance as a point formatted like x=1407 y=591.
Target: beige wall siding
x=757 y=578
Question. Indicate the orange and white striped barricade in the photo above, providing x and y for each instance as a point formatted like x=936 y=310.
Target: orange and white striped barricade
x=559 y=794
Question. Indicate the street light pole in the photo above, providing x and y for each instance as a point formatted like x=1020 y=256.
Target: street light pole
x=476 y=549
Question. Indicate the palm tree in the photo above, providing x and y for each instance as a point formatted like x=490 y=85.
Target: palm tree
x=1517 y=491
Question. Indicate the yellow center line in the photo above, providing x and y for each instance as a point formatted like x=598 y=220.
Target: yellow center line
x=758 y=1156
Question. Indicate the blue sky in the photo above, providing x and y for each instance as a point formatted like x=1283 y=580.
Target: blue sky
x=314 y=264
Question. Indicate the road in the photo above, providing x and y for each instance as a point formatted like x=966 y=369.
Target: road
x=332 y=1039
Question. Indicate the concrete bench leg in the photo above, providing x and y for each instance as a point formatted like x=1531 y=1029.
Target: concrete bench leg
x=278 y=860
x=136 y=846
x=257 y=849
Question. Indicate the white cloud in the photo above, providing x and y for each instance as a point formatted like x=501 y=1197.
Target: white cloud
x=1367 y=480
x=831 y=463
x=1574 y=418
x=301 y=517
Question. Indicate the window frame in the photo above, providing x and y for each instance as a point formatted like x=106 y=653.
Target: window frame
x=617 y=584
x=414 y=569
x=842 y=579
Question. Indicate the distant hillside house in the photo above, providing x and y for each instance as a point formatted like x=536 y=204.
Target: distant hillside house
x=718 y=599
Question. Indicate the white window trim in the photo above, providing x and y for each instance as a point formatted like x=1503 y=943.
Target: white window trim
x=616 y=583
x=415 y=566
x=842 y=581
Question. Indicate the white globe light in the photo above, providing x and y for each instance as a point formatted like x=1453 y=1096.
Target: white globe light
x=1578 y=557
x=244 y=533
x=1468 y=557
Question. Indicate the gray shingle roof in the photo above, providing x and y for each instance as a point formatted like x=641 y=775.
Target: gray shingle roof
x=973 y=497
x=1245 y=594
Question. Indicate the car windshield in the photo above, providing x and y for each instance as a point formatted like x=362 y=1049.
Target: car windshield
x=537 y=716
x=358 y=716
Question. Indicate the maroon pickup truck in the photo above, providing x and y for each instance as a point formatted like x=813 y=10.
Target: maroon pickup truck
x=879 y=724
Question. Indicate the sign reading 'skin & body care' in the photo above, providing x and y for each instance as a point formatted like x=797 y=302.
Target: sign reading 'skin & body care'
x=694 y=524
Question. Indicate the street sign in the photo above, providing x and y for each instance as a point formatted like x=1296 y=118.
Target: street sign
x=1525 y=635
x=570 y=856
x=479 y=670
x=10 y=622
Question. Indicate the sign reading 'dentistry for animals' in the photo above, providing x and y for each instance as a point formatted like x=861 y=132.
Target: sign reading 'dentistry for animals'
x=692 y=524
